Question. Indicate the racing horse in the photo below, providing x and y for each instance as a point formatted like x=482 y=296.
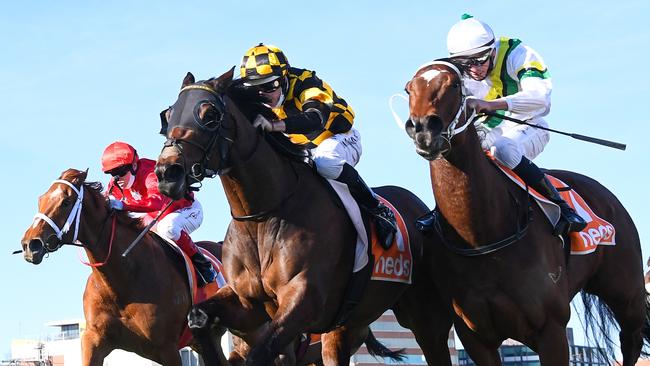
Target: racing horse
x=289 y=249
x=137 y=303
x=505 y=272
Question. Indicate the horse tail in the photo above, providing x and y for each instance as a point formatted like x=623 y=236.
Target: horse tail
x=598 y=323
x=377 y=349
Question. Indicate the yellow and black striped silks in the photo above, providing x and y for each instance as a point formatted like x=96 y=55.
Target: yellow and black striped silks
x=306 y=91
x=262 y=62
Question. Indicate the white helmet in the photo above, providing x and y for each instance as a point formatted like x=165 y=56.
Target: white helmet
x=469 y=37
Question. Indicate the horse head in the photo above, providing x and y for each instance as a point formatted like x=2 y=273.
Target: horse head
x=59 y=212
x=436 y=103
x=201 y=129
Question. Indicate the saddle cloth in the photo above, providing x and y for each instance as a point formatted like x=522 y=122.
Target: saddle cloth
x=197 y=294
x=394 y=264
x=597 y=232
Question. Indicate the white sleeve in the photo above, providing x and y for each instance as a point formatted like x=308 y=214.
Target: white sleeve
x=534 y=95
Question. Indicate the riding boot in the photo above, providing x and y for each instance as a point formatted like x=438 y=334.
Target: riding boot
x=570 y=221
x=203 y=266
x=383 y=217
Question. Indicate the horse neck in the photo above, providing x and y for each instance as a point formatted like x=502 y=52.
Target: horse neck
x=95 y=234
x=260 y=178
x=471 y=194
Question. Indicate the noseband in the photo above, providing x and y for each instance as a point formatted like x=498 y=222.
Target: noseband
x=452 y=130
x=75 y=215
x=199 y=171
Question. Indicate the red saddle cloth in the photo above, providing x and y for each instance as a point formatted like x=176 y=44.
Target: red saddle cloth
x=200 y=294
x=396 y=263
x=597 y=232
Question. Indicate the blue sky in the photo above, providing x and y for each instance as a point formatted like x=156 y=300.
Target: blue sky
x=77 y=75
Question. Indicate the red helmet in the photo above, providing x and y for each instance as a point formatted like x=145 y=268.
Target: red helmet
x=118 y=154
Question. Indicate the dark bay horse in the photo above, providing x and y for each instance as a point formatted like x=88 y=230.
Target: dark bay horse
x=288 y=252
x=138 y=303
x=521 y=291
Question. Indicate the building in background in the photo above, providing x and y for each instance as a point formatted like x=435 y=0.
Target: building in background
x=63 y=347
x=393 y=336
x=514 y=353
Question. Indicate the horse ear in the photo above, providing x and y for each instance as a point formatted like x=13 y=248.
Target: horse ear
x=189 y=79
x=222 y=82
x=78 y=176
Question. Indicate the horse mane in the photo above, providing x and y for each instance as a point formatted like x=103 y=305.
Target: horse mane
x=96 y=189
x=251 y=104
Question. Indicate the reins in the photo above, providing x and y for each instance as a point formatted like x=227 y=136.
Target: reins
x=520 y=232
x=75 y=215
x=198 y=171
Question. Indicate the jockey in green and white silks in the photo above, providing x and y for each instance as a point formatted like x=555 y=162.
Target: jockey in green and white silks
x=520 y=78
x=507 y=77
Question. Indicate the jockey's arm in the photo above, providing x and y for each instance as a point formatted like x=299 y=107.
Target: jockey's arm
x=534 y=98
x=151 y=203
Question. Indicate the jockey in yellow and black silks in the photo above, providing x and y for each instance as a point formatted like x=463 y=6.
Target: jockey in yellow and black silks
x=313 y=115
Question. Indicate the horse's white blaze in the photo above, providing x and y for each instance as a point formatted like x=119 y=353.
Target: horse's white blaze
x=430 y=74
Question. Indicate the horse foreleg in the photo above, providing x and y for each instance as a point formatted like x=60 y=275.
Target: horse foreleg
x=93 y=348
x=296 y=308
x=481 y=353
x=424 y=312
x=336 y=347
x=228 y=310
x=211 y=353
x=552 y=345
x=170 y=357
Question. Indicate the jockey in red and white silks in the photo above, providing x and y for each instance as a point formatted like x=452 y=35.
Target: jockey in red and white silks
x=134 y=188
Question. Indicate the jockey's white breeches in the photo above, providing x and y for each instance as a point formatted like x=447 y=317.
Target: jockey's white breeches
x=186 y=219
x=509 y=141
x=335 y=151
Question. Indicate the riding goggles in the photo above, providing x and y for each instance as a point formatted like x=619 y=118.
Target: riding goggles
x=120 y=171
x=269 y=87
x=468 y=62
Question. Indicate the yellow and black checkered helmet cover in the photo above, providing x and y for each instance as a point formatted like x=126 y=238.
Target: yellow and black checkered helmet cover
x=263 y=62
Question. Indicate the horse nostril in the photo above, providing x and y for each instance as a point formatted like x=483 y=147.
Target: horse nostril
x=35 y=245
x=173 y=173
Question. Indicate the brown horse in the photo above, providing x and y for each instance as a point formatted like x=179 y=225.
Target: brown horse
x=288 y=253
x=504 y=270
x=137 y=303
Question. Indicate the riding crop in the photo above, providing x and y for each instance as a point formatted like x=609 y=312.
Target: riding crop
x=615 y=145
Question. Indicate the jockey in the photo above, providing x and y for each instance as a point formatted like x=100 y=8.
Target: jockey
x=134 y=188
x=313 y=116
x=505 y=76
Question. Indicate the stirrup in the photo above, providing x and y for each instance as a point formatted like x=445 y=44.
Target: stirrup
x=386 y=226
x=425 y=222
x=201 y=276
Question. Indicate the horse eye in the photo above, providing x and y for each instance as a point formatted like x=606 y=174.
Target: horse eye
x=211 y=116
x=66 y=202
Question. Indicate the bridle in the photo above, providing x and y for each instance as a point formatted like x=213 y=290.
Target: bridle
x=452 y=130
x=199 y=171
x=73 y=216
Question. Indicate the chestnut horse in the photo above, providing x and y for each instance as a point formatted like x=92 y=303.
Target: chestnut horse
x=138 y=303
x=504 y=270
x=288 y=253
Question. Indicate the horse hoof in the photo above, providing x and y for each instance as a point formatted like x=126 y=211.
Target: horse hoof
x=197 y=319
